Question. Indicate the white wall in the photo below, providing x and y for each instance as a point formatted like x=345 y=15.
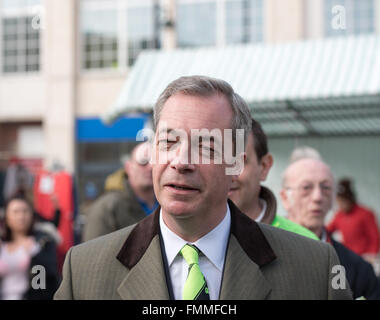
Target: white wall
x=31 y=142
x=60 y=71
x=97 y=93
x=22 y=98
x=284 y=20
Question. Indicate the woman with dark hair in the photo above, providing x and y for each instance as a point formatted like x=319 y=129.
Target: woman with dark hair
x=28 y=262
x=356 y=223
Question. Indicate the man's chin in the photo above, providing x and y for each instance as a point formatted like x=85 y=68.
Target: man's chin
x=179 y=209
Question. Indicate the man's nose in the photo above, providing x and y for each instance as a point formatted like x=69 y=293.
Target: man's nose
x=181 y=159
x=317 y=193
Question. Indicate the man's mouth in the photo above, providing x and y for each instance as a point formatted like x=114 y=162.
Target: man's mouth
x=181 y=187
x=317 y=212
x=232 y=191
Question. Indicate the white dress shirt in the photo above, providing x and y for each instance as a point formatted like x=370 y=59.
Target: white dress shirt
x=213 y=245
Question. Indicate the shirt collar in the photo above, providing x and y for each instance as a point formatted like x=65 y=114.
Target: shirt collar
x=213 y=245
x=262 y=213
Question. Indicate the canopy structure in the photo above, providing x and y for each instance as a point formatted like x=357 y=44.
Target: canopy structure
x=315 y=87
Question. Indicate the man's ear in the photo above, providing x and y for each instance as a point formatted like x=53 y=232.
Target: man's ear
x=266 y=164
x=286 y=198
x=127 y=167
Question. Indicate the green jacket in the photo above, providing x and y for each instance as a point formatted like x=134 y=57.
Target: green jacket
x=271 y=218
x=286 y=224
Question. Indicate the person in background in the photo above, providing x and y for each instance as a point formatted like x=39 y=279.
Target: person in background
x=23 y=248
x=117 y=209
x=255 y=200
x=356 y=223
x=307 y=195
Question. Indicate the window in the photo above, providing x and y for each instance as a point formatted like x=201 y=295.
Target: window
x=364 y=20
x=20 y=50
x=114 y=32
x=142 y=20
x=244 y=21
x=196 y=24
x=350 y=17
x=99 y=34
x=219 y=22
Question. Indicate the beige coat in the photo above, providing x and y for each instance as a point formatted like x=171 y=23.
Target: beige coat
x=261 y=262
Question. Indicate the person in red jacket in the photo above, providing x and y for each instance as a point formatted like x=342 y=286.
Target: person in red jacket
x=356 y=223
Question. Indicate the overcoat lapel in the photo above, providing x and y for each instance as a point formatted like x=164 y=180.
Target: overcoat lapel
x=248 y=252
x=146 y=280
x=141 y=254
x=242 y=278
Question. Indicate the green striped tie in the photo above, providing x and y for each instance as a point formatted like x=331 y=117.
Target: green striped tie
x=195 y=287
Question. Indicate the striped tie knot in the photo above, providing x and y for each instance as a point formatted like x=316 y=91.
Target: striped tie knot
x=190 y=253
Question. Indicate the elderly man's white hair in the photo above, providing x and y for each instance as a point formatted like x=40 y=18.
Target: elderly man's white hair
x=304 y=152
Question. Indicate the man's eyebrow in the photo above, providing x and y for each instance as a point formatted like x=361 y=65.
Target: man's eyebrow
x=305 y=181
x=209 y=137
x=165 y=130
x=310 y=181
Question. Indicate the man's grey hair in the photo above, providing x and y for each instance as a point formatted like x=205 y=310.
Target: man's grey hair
x=204 y=86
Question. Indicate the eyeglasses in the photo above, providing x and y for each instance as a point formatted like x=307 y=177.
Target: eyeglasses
x=307 y=189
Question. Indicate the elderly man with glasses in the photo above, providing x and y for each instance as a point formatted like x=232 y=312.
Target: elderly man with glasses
x=307 y=194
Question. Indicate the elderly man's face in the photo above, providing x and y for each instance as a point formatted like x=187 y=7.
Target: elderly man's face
x=308 y=193
x=187 y=190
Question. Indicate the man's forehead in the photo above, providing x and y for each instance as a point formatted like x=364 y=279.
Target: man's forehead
x=309 y=170
x=183 y=107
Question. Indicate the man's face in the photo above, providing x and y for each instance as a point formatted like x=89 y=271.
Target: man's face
x=186 y=190
x=138 y=168
x=308 y=194
x=245 y=190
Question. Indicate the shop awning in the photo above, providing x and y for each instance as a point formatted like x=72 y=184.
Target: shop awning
x=316 y=87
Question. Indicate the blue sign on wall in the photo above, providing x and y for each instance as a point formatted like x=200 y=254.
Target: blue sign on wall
x=123 y=129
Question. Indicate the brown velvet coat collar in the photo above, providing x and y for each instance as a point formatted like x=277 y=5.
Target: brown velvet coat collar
x=246 y=231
